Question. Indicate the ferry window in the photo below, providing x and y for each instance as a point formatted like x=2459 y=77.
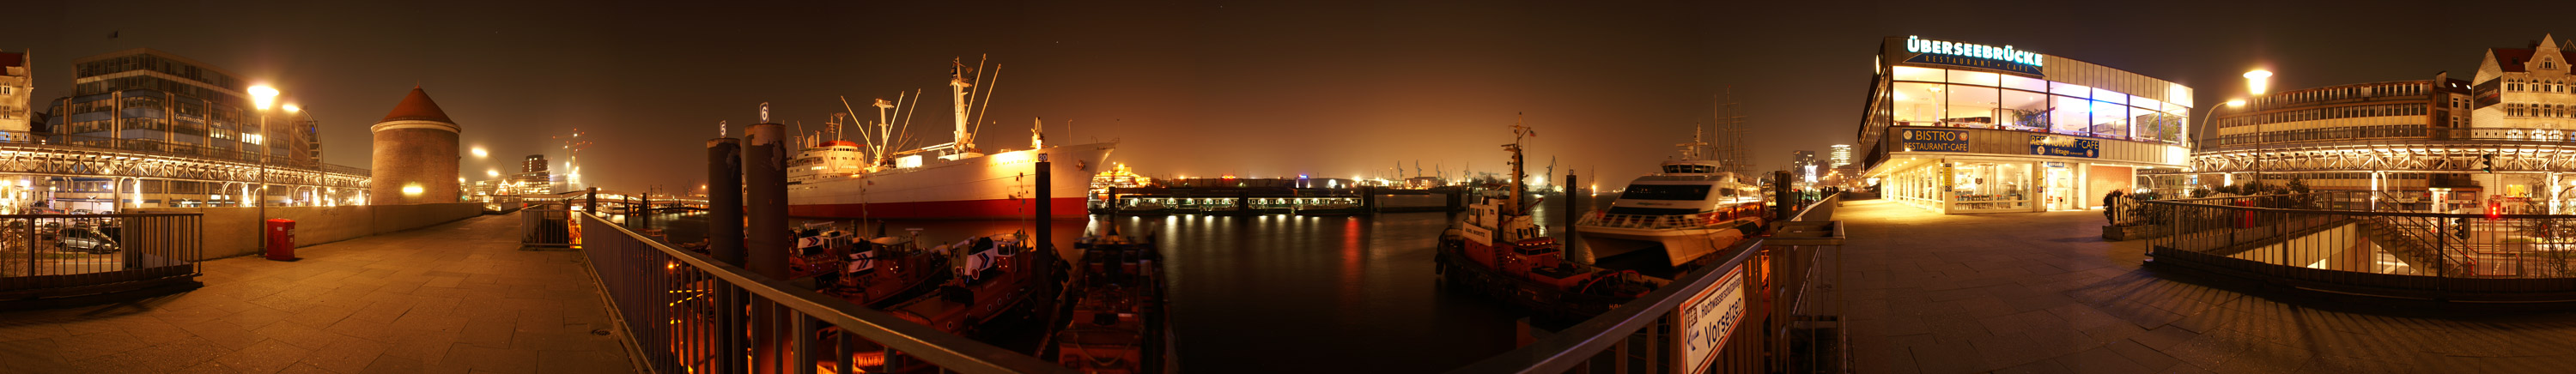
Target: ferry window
x=1666 y=192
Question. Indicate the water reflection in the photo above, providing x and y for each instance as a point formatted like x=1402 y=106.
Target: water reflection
x=1320 y=294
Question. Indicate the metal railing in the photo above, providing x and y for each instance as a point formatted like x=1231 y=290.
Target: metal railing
x=155 y=146
x=686 y=313
x=61 y=255
x=2372 y=243
x=1668 y=221
x=1778 y=328
x=2395 y=133
x=545 y=226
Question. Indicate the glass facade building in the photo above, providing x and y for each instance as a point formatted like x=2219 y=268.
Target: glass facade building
x=154 y=101
x=1963 y=128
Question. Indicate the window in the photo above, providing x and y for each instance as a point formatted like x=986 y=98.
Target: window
x=1917 y=104
x=1971 y=106
x=1909 y=73
x=2068 y=115
x=2026 y=111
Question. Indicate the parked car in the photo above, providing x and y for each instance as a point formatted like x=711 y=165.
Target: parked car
x=81 y=237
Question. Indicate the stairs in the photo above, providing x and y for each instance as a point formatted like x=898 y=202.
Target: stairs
x=2410 y=239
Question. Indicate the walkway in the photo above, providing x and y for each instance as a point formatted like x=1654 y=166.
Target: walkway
x=454 y=298
x=2042 y=293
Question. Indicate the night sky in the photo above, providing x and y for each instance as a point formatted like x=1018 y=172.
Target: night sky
x=1260 y=89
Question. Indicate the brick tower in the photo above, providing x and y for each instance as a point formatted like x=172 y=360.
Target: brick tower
x=415 y=154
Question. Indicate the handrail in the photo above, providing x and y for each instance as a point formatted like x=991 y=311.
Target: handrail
x=1577 y=344
x=948 y=351
x=1563 y=351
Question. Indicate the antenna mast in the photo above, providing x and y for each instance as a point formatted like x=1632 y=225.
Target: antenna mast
x=1730 y=119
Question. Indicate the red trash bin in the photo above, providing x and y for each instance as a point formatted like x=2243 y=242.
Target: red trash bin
x=281 y=239
x=2248 y=221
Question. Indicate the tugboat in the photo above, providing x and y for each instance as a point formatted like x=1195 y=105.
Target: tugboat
x=1497 y=249
x=993 y=276
x=1115 y=318
x=1690 y=208
x=884 y=270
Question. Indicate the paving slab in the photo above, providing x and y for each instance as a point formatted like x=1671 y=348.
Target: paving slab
x=443 y=299
x=2043 y=293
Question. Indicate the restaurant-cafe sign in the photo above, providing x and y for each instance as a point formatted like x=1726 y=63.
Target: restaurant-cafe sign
x=2065 y=146
x=1941 y=52
x=1932 y=140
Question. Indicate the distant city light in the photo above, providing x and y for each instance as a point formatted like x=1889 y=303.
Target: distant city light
x=495 y=173
x=479 y=152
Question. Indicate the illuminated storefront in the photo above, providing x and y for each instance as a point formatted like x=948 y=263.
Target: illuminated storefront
x=1972 y=128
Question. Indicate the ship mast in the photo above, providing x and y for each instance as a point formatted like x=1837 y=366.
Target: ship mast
x=1519 y=131
x=957 y=93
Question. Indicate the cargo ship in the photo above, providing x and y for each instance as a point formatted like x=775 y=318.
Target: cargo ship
x=833 y=177
x=1497 y=249
x=1115 y=320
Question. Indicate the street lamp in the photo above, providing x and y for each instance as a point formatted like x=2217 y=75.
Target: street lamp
x=2256 y=83
x=263 y=96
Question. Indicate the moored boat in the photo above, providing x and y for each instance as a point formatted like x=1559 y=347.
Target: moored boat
x=1689 y=209
x=1497 y=249
x=993 y=277
x=1115 y=319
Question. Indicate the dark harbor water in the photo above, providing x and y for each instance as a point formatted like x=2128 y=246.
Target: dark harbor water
x=1288 y=294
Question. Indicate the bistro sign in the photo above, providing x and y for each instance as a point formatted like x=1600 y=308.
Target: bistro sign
x=1934 y=140
x=2005 y=58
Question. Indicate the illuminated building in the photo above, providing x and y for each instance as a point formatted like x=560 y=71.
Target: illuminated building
x=159 y=110
x=2441 y=144
x=1961 y=127
x=149 y=100
x=1840 y=157
x=533 y=178
x=17 y=85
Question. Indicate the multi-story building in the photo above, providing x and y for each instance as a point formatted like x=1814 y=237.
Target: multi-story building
x=2333 y=138
x=158 y=108
x=17 y=86
x=1803 y=163
x=1971 y=128
x=2441 y=144
x=533 y=178
x=148 y=100
x=1840 y=156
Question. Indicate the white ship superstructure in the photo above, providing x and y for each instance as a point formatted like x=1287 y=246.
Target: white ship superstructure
x=1690 y=208
x=954 y=180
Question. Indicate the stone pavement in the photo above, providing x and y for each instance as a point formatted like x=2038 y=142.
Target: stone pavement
x=2042 y=293
x=454 y=298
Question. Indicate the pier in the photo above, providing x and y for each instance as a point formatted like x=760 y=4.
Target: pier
x=1286 y=200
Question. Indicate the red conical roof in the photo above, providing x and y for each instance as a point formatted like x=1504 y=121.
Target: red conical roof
x=417 y=106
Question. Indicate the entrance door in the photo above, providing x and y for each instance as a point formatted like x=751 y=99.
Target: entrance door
x=2058 y=187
